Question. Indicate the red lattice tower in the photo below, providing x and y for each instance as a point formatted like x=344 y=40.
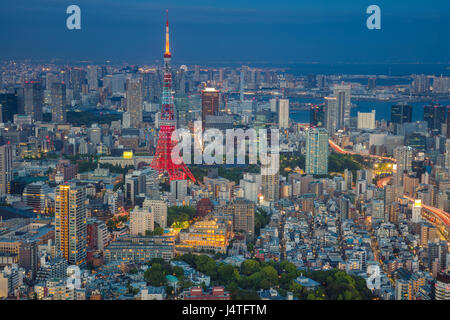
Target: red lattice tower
x=162 y=161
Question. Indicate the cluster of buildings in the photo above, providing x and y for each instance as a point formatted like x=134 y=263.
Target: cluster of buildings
x=83 y=210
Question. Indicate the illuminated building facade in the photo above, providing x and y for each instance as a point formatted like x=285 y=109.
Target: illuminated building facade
x=70 y=222
x=207 y=234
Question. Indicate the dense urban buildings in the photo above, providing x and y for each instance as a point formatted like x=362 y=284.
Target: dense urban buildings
x=95 y=204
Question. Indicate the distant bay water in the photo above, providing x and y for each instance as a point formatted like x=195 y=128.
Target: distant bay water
x=382 y=109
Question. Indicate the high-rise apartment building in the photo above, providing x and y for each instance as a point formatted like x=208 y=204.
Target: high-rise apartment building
x=70 y=222
x=317 y=151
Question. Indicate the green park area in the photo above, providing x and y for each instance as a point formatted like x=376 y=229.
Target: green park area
x=253 y=275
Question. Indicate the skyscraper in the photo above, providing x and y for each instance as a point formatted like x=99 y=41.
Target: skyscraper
x=134 y=101
x=283 y=113
x=34 y=97
x=8 y=106
x=332 y=123
x=401 y=113
x=5 y=168
x=317 y=151
x=210 y=103
x=58 y=94
x=342 y=95
x=70 y=222
x=434 y=115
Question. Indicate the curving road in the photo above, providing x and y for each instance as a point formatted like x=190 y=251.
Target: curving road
x=440 y=214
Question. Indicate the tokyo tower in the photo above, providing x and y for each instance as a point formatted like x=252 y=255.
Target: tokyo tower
x=162 y=161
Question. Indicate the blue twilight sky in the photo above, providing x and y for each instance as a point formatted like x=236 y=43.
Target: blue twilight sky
x=228 y=31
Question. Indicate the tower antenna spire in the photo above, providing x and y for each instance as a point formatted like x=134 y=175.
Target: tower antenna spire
x=167 y=52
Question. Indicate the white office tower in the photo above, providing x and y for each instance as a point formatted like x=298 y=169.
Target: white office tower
x=366 y=120
x=283 y=113
x=159 y=209
x=404 y=156
x=141 y=221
